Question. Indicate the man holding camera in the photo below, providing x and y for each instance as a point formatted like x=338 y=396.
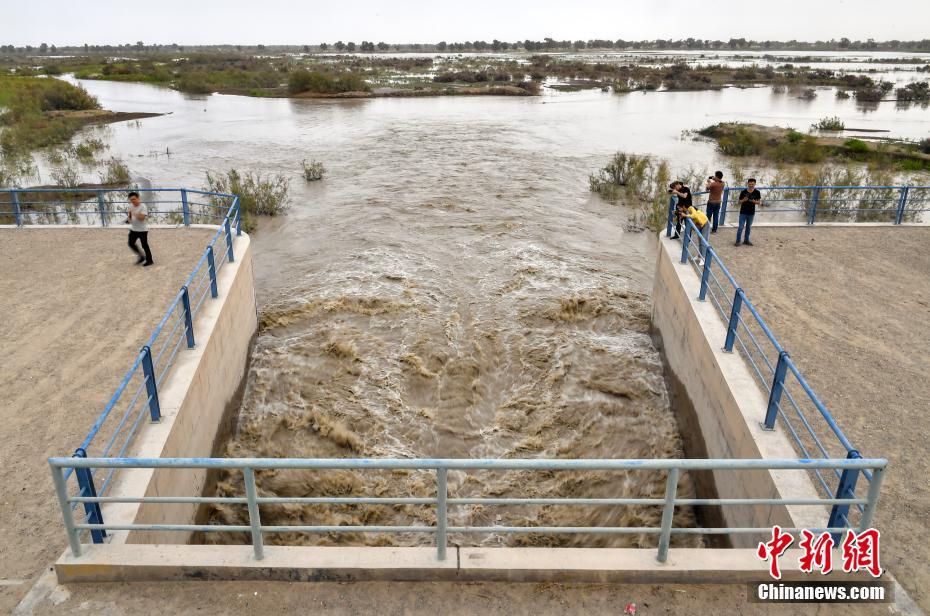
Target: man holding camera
x=678 y=189
x=749 y=198
x=714 y=186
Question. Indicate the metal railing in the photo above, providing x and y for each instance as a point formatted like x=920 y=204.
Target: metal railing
x=443 y=500
x=136 y=396
x=791 y=400
x=809 y=204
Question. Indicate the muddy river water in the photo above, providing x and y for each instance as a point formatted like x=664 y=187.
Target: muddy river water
x=451 y=289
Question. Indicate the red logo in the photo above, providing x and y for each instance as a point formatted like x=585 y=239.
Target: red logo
x=860 y=551
x=771 y=550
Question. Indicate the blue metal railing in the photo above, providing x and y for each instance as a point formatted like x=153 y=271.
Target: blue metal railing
x=791 y=400
x=890 y=204
x=136 y=396
x=441 y=529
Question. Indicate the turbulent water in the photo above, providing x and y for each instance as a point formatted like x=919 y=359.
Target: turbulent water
x=451 y=289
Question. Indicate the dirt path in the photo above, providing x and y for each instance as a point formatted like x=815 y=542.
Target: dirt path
x=851 y=306
x=75 y=312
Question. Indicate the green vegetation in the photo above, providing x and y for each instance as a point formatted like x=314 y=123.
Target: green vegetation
x=641 y=181
x=313 y=170
x=319 y=82
x=38 y=112
x=258 y=195
x=789 y=146
x=917 y=91
x=830 y=124
x=115 y=172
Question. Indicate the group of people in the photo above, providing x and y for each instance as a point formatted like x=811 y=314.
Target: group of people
x=707 y=223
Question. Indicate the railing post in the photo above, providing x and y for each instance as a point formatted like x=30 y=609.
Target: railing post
x=229 y=241
x=705 y=275
x=188 y=317
x=185 y=208
x=211 y=267
x=238 y=215
x=734 y=321
x=17 y=212
x=255 y=520
x=671 y=216
x=902 y=205
x=845 y=489
x=668 y=512
x=685 y=240
x=723 y=206
x=151 y=387
x=61 y=490
x=92 y=513
x=442 y=491
x=102 y=208
x=815 y=199
x=778 y=386
x=875 y=486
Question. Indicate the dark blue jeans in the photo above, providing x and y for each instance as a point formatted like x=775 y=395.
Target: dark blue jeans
x=744 y=220
x=713 y=212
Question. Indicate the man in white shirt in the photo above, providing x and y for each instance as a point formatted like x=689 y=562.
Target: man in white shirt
x=139 y=229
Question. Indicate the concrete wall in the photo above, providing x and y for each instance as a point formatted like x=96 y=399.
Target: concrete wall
x=201 y=389
x=728 y=403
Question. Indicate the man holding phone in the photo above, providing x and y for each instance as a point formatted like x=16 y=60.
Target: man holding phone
x=749 y=198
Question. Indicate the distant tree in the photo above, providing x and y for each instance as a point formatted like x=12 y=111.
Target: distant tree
x=382 y=46
x=140 y=46
x=43 y=48
x=53 y=49
x=306 y=48
x=844 y=43
x=578 y=44
x=340 y=45
x=324 y=46
x=441 y=46
x=260 y=47
x=350 y=46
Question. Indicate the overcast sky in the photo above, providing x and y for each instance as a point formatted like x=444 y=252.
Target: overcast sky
x=63 y=22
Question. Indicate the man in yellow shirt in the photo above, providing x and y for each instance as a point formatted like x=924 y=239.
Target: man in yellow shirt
x=700 y=221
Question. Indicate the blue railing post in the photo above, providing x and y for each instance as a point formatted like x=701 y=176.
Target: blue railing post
x=102 y=208
x=211 y=267
x=734 y=321
x=151 y=387
x=846 y=489
x=238 y=215
x=685 y=240
x=185 y=208
x=778 y=386
x=188 y=316
x=229 y=241
x=671 y=216
x=815 y=199
x=902 y=205
x=17 y=212
x=92 y=513
x=723 y=206
x=705 y=275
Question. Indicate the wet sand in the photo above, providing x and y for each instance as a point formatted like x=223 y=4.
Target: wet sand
x=851 y=306
x=75 y=312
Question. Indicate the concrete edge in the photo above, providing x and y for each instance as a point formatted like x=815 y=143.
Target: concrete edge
x=124 y=563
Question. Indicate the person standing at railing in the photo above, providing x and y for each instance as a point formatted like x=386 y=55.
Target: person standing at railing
x=714 y=186
x=700 y=221
x=137 y=217
x=749 y=198
x=678 y=189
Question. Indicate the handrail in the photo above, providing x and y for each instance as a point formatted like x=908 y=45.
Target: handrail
x=443 y=500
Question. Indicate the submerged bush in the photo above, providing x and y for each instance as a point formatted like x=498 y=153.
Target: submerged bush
x=258 y=195
x=313 y=170
x=302 y=80
x=115 y=171
x=641 y=180
x=832 y=124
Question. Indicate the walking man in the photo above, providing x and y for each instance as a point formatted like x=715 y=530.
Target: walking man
x=749 y=198
x=678 y=189
x=715 y=186
x=139 y=229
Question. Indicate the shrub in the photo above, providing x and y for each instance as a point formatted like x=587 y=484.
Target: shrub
x=740 y=141
x=258 y=195
x=924 y=146
x=831 y=124
x=319 y=82
x=313 y=170
x=917 y=91
x=842 y=94
x=856 y=146
x=65 y=175
x=642 y=180
x=115 y=172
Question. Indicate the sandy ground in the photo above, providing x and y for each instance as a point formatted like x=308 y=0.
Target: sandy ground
x=75 y=310
x=851 y=306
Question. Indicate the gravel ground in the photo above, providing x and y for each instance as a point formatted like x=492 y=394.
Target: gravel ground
x=75 y=312
x=850 y=305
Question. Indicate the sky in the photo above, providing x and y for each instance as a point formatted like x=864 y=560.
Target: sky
x=186 y=22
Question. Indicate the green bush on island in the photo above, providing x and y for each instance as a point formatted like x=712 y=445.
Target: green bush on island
x=258 y=195
x=856 y=146
x=830 y=124
x=33 y=115
x=318 y=82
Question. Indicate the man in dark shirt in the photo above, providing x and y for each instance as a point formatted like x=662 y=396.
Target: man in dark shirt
x=678 y=189
x=749 y=198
